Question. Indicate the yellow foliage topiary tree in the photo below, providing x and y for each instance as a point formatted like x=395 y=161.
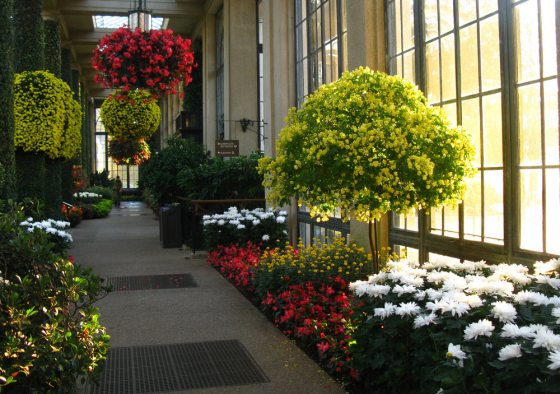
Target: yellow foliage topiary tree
x=47 y=118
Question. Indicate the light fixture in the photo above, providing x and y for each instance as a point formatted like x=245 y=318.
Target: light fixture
x=140 y=16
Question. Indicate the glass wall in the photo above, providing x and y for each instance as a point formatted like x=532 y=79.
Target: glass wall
x=321 y=57
x=220 y=74
x=492 y=66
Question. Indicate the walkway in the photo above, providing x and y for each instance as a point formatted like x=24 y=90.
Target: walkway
x=202 y=339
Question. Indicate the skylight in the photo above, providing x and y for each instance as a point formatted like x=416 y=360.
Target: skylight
x=114 y=22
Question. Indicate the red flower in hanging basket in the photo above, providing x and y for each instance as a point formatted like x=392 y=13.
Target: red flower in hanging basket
x=154 y=60
x=129 y=152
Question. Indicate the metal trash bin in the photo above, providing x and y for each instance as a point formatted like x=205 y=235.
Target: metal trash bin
x=170 y=226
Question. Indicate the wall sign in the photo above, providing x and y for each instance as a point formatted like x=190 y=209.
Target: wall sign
x=227 y=148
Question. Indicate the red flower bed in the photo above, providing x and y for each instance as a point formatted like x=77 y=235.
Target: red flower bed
x=154 y=60
x=235 y=263
x=315 y=314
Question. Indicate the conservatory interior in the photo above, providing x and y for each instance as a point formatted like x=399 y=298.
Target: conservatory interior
x=367 y=186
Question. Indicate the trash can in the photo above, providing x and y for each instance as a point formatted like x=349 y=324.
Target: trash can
x=170 y=226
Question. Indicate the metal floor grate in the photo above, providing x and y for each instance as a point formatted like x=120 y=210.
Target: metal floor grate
x=160 y=368
x=151 y=282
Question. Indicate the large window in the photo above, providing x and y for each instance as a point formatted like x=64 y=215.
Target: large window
x=321 y=58
x=128 y=174
x=492 y=66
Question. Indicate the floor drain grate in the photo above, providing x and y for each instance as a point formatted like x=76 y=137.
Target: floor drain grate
x=160 y=368
x=151 y=282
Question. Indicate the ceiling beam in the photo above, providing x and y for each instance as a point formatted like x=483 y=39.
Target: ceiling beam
x=164 y=8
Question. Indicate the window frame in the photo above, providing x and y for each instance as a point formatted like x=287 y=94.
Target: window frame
x=427 y=242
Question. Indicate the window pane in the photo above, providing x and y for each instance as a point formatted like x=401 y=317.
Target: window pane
x=409 y=66
x=486 y=7
x=531 y=218
x=490 y=54
x=327 y=24
x=553 y=210
x=494 y=207
x=529 y=124
x=448 y=67
x=527 y=40
x=446 y=23
x=469 y=60
x=548 y=19
x=552 y=137
x=100 y=152
x=431 y=18
x=432 y=71
x=451 y=224
x=451 y=112
x=467 y=11
x=436 y=222
x=471 y=123
x=408 y=24
x=472 y=208
x=492 y=117
x=398 y=26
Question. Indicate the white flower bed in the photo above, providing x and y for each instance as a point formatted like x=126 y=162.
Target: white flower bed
x=50 y=226
x=503 y=314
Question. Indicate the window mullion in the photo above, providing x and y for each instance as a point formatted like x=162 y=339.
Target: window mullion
x=509 y=128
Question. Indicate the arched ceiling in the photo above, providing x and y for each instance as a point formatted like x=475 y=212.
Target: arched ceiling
x=79 y=35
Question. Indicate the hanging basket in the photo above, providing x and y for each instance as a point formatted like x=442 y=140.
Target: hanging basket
x=154 y=60
x=130 y=116
x=129 y=152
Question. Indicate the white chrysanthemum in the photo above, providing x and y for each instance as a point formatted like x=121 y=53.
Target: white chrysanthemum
x=265 y=237
x=510 y=351
x=206 y=217
x=454 y=351
x=504 y=311
x=400 y=290
x=513 y=276
x=454 y=283
x=420 y=295
x=524 y=297
x=547 y=339
x=483 y=327
x=359 y=287
x=424 y=320
x=283 y=213
x=556 y=313
x=482 y=285
x=554 y=300
x=408 y=309
x=554 y=358
x=456 y=308
x=546 y=268
x=240 y=226
x=377 y=290
x=256 y=222
x=378 y=278
x=434 y=294
x=439 y=276
x=280 y=219
x=221 y=222
x=386 y=311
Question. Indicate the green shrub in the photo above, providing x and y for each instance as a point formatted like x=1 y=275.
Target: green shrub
x=102 y=208
x=234 y=178
x=49 y=331
x=106 y=192
x=100 y=178
x=159 y=174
